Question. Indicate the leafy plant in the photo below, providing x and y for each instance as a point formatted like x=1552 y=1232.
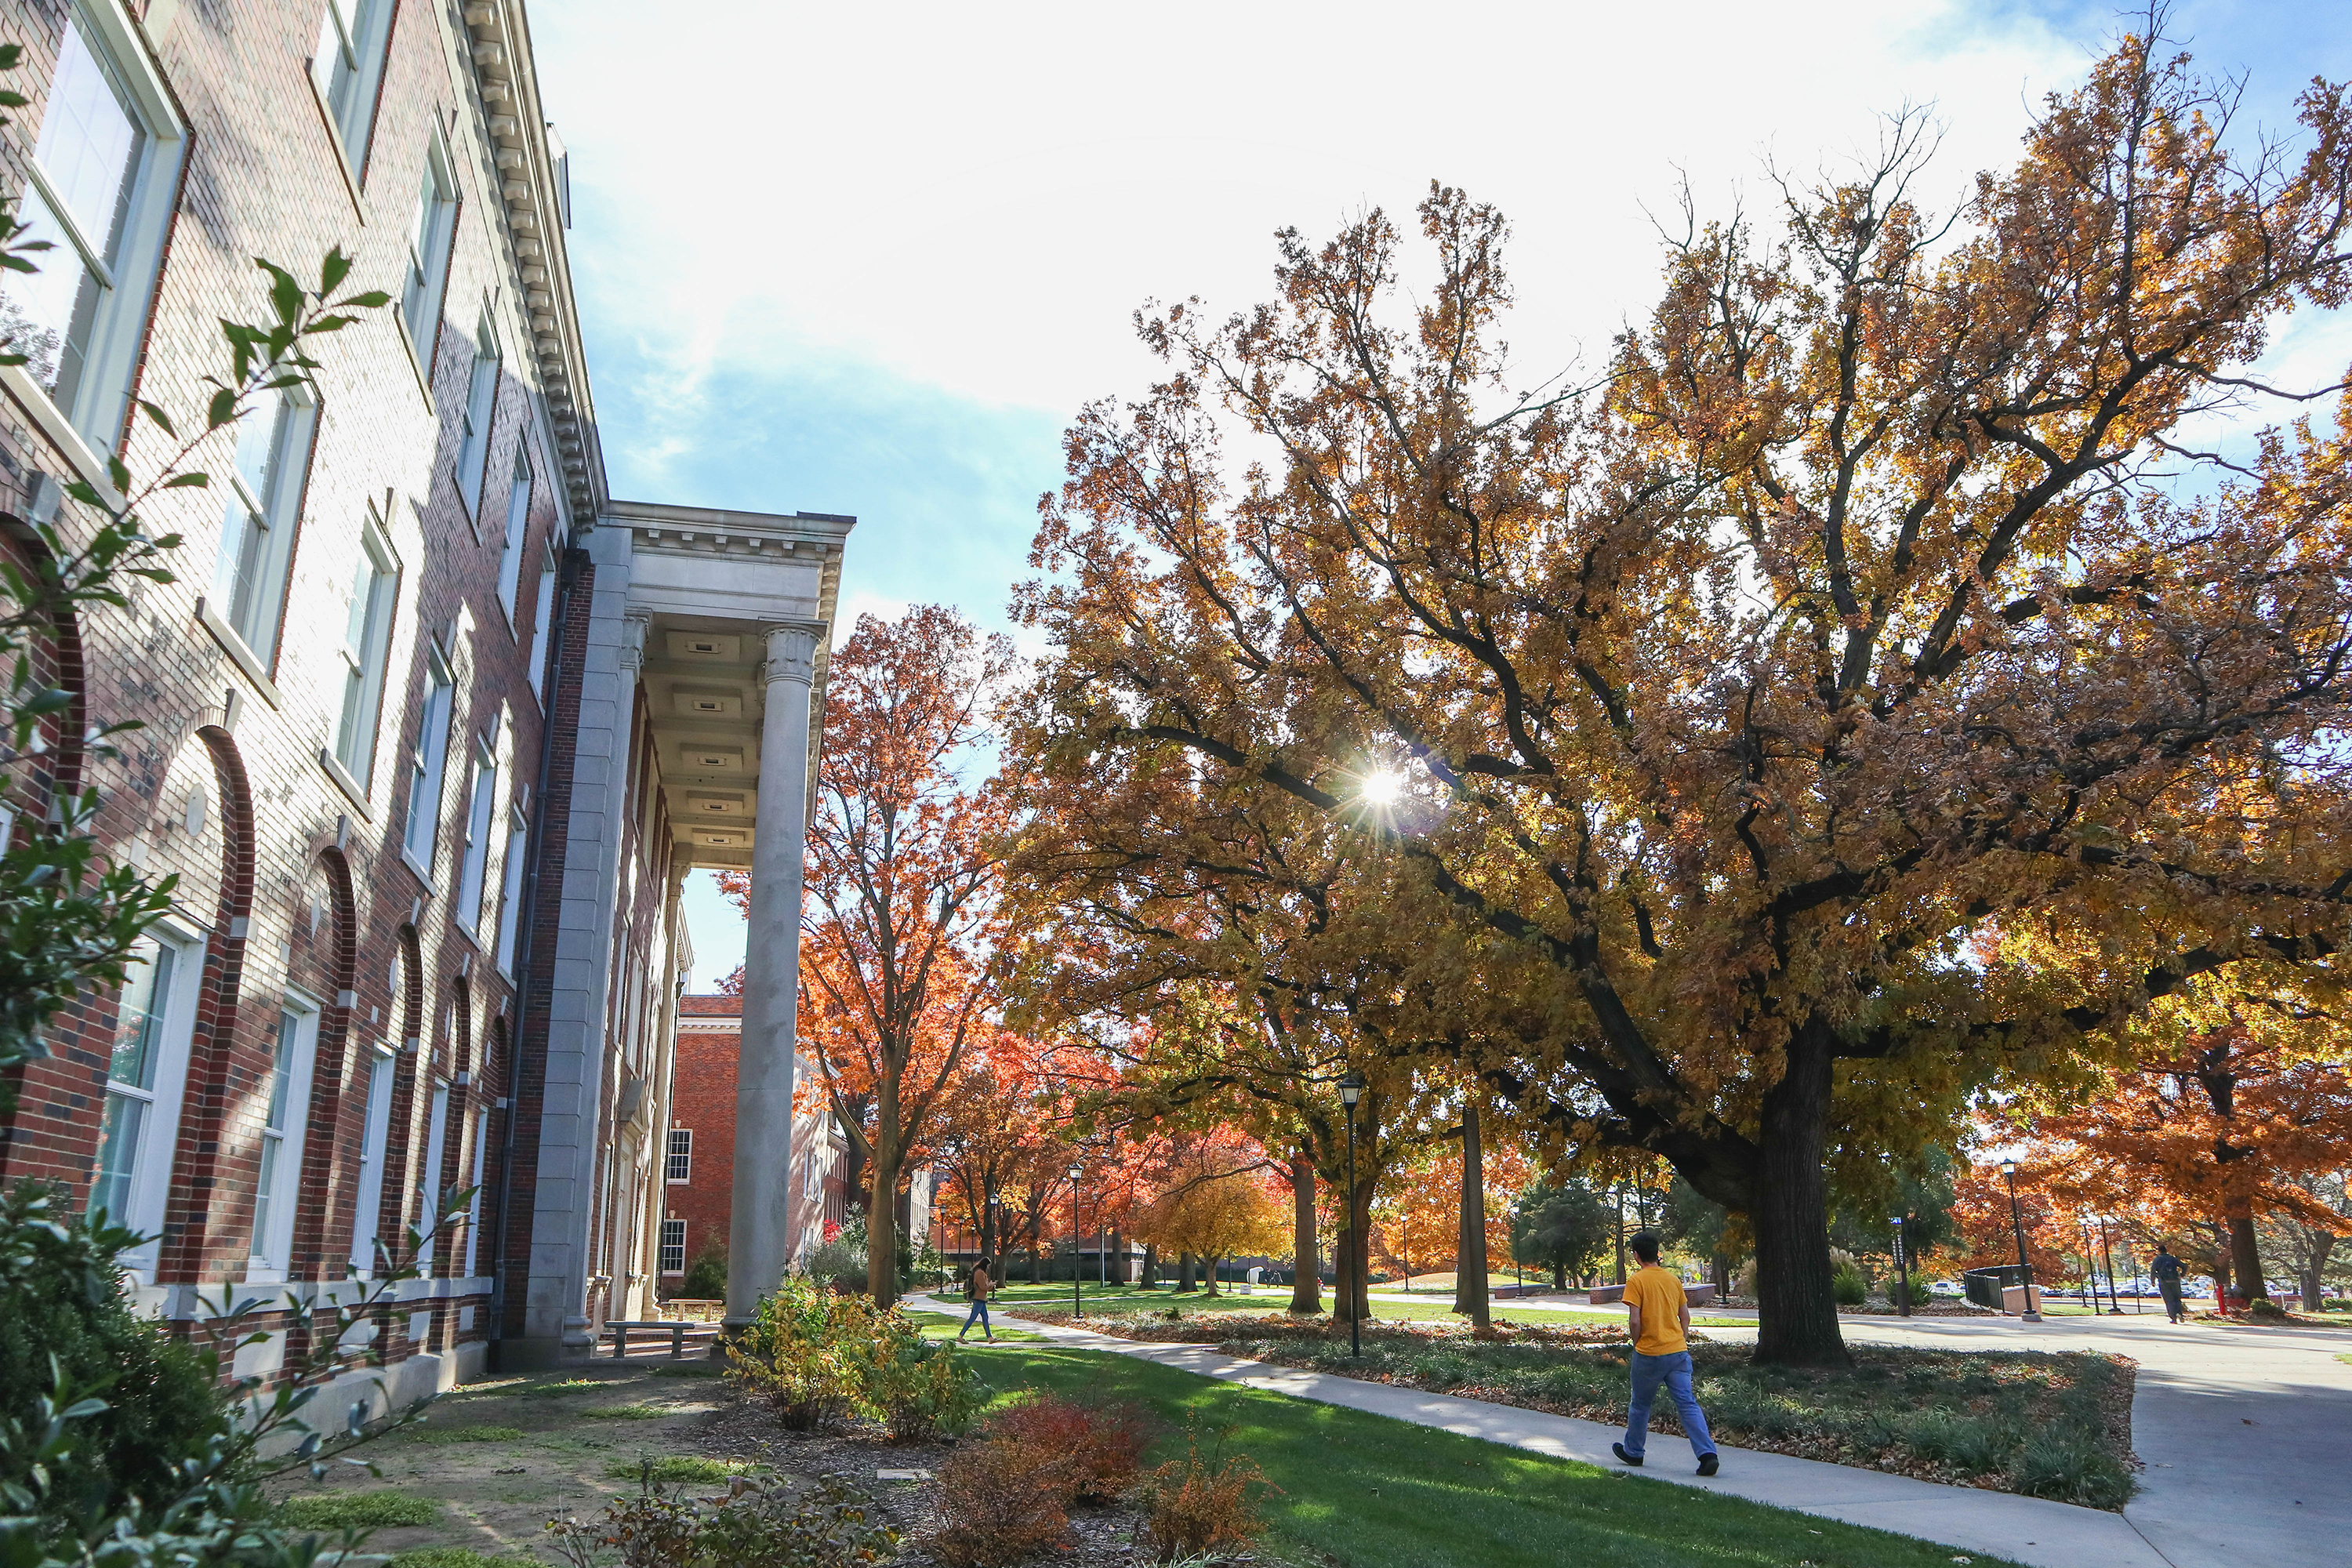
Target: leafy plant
x=1105 y=1444
x=920 y=1391
x=761 y=1522
x=1848 y=1285
x=800 y=1353
x=706 y=1276
x=1002 y=1501
x=840 y=1259
x=1200 y=1505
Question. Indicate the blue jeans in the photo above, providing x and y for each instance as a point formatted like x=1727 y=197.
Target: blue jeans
x=979 y=1314
x=1675 y=1372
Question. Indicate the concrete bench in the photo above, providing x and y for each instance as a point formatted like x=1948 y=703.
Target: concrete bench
x=675 y=1331
x=1610 y=1295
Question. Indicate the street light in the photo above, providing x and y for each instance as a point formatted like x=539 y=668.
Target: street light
x=1351 y=1089
x=2026 y=1314
x=1077 y=1307
x=1902 y=1273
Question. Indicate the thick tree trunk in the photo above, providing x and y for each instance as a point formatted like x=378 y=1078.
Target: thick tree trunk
x=2245 y=1260
x=1208 y=1268
x=1721 y=1275
x=1559 y=1277
x=882 y=1232
x=1306 y=1272
x=1151 y=1266
x=1470 y=1294
x=1115 y=1260
x=1183 y=1272
x=1797 y=1319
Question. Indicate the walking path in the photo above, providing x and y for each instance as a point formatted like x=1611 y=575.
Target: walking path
x=2027 y=1530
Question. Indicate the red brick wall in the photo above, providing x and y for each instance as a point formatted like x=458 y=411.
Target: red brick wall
x=318 y=877
x=703 y=1097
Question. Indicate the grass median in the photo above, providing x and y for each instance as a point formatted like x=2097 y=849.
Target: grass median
x=1370 y=1492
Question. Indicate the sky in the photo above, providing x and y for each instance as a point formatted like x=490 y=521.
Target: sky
x=873 y=259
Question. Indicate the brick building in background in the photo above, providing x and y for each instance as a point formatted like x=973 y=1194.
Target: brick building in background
x=698 y=1167
x=433 y=727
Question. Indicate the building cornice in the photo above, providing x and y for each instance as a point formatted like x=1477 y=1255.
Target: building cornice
x=507 y=77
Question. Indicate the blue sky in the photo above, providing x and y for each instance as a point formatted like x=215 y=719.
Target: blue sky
x=871 y=260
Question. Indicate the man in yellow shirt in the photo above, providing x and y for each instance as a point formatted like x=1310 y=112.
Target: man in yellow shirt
x=1658 y=1316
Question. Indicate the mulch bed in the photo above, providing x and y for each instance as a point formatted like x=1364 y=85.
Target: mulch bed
x=1101 y=1535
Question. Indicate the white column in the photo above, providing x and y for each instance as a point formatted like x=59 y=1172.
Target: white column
x=759 y=1228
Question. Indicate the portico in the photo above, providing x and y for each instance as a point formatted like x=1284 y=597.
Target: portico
x=698 y=730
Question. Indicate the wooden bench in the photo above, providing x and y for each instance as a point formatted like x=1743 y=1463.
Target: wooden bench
x=676 y=1329
x=1610 y=1295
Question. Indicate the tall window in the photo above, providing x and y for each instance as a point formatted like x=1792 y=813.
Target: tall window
x=144 y=1073
x=474 y=1203
x=672 y=1247
x=265 y=486
x=518 y=525
x=480 y=816
x=539 y=626
x=281 y=1138
x=346 y=66
x=422 y=832
x=428 y=1176
x=681 y=1155
x=367 y=640
x=100 y=192
x=510 y=889
x=481 y=403
x=375 y=1133
x=430 y=228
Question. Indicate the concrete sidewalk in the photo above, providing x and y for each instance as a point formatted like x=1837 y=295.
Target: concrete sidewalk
x=2027 y=1530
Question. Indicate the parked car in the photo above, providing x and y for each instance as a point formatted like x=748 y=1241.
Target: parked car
x=1945 y=1289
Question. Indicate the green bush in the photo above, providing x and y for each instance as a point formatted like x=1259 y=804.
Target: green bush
x=920 y=1391
x=357 y=1510
x=61 y=1295
x=836 y=1259
x=801 y=1354
x=706 y=1276
x=1848 y=1285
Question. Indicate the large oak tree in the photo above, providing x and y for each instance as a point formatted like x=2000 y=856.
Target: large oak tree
x=1881 y=595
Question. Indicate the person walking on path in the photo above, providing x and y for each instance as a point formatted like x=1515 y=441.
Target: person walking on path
x=979 y=1285
x=1658 y=1320
x=2167 y=1269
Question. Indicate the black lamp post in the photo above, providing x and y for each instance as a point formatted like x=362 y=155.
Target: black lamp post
x=1077 y=1307
x=2026 y=1314
x=1351 y=1089
x=1902 y=1273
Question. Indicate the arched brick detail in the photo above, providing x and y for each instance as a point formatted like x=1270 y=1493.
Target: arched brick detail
x=393 y=1218
x=330 y=1141
x=209 y=1190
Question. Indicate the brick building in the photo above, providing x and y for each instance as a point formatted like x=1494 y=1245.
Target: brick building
x=698 y=1168
x=433 y=727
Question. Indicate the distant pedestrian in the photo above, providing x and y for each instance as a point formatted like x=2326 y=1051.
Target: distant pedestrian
x=980 y=1284
x=1658 y=1320
x=2167 y=1269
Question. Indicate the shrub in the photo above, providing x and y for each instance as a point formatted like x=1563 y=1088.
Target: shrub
x=1105 y=1446
x=1001 y=1502
x=803 y=1352
x=1200 y=1505
x=918 y=1390
x=1848 y=1285
x=61 y=1295
x=836 y=1259
x=357 y=1510
x=1744 y=1282
x=706 y=1276
x=780 y=1526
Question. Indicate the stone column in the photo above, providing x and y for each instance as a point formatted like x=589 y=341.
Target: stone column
x=760 y=1226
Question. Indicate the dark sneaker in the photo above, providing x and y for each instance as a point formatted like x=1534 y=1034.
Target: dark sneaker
x=1708 y=1464
x=1623 y=1458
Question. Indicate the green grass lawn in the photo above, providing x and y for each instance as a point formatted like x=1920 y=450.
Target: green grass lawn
x=940 y=1326
x=1377 y=1493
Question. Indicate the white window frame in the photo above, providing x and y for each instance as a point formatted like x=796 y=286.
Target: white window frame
x=279 y=515
x=540 y=628
x=672 y=1245
x=157 y=1139
x=518 y=535
x=517 y=860
x=432 y=228
x=481 y=816
x=352 y=35
x=278 y=1181
x=375 y=1142
x=677 y=1157
x=477 y=418
x=361 y=713
x=481 y=1122
x=93 y=409
x=428 y=1176
x=420 y=837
